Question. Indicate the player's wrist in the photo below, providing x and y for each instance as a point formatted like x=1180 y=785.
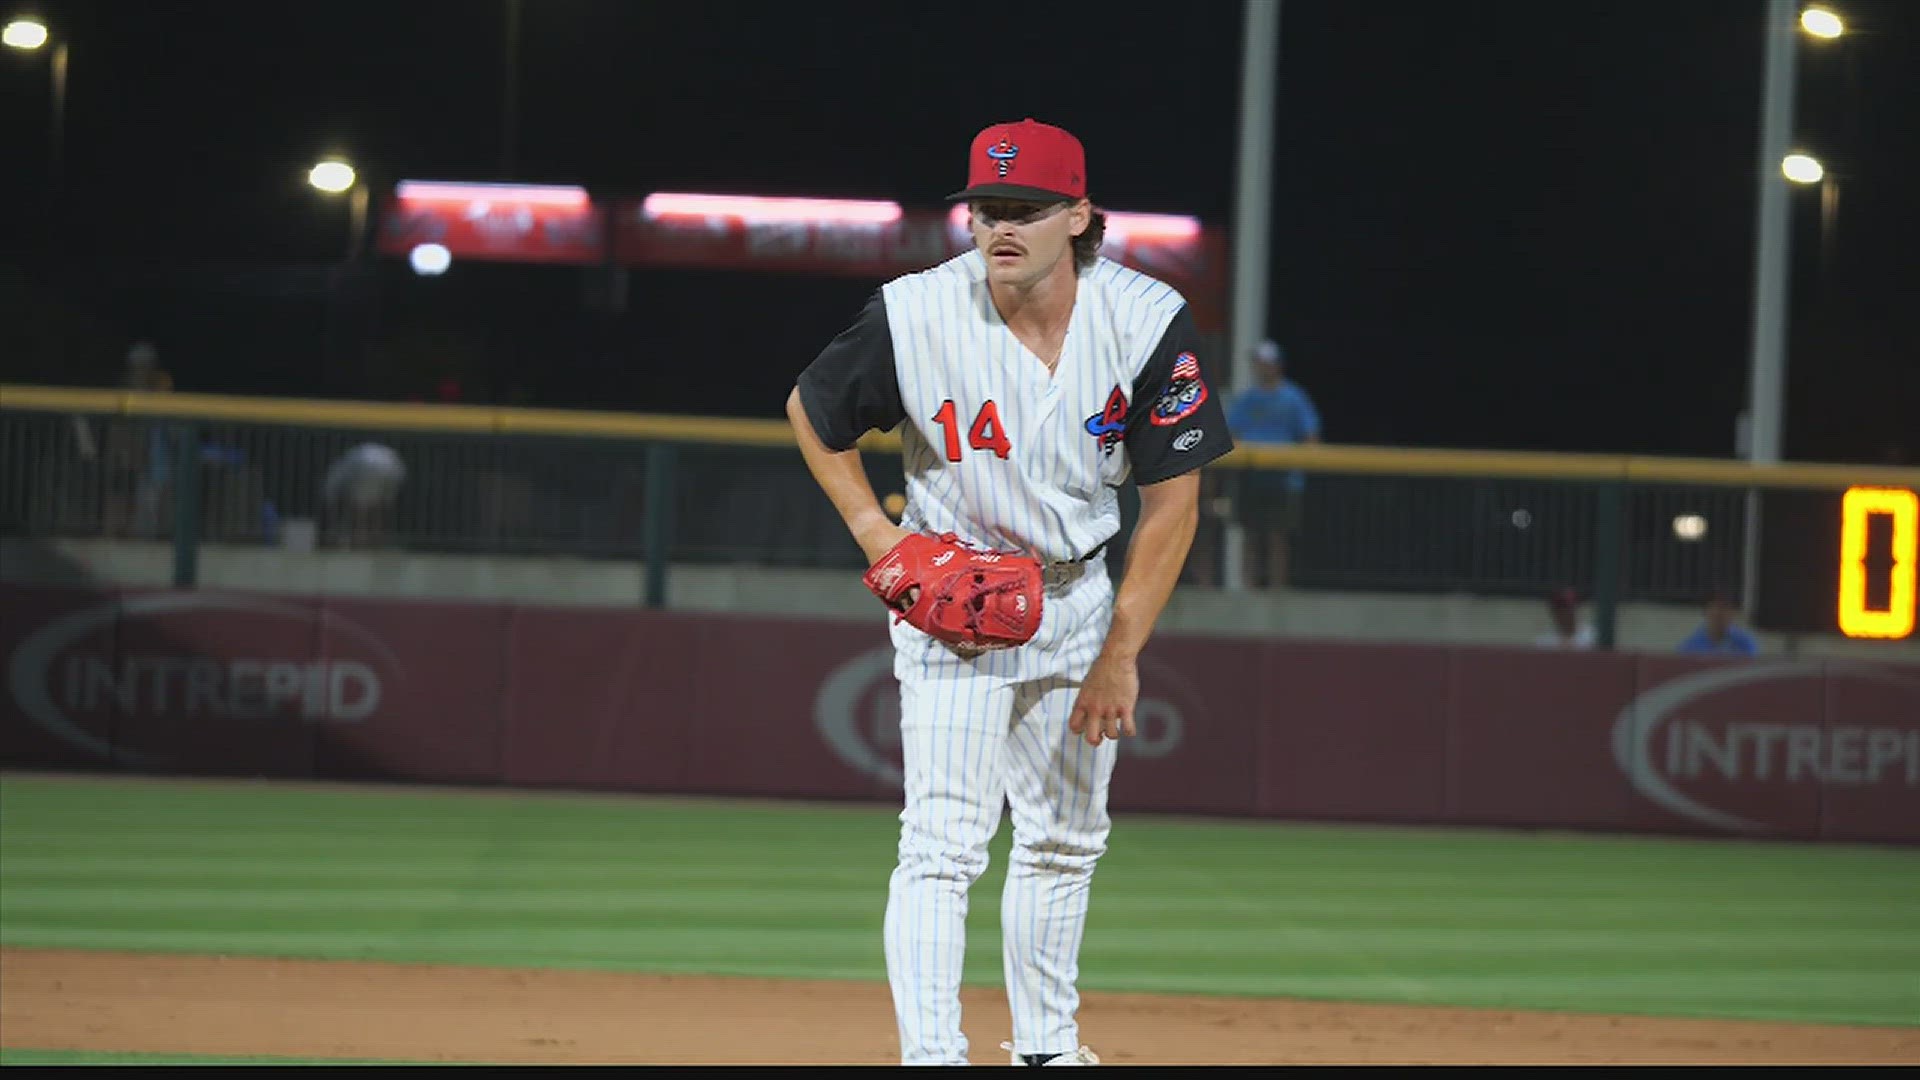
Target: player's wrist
x=877 y=535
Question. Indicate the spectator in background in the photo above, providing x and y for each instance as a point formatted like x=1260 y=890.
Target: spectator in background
x=143 y=369
x=1719 y=634
x=141 y=450
x=359 y=492
x=1571 y=630
x=1268 y=501
x=145 y=373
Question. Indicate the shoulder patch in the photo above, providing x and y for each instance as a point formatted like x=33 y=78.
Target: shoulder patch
x=1184 y=394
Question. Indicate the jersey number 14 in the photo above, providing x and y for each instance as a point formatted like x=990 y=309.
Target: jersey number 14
x=987 y=433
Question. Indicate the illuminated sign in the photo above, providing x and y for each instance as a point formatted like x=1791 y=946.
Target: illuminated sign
x=1124 y=226
x=757 y=210
x=569 y=196
x=1857 y=510
x=870 y=238
x=550 y=223
x=879 y=239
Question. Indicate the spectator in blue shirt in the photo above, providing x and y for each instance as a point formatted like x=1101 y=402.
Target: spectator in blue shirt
x=1718 y=634
x=1268 y=502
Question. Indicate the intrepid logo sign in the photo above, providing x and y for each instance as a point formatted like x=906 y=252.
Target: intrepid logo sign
x=1662 y=749
x=58 y=670
x=857 y=712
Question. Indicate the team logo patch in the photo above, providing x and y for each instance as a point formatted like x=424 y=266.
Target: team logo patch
x=888 y=577
x=1003 y=153
x=1185 y=392
x=1110 y=423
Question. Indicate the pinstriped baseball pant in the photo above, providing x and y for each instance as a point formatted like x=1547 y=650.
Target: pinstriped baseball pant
x=976 y=734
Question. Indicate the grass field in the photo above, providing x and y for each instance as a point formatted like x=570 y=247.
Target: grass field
x=1815 y=933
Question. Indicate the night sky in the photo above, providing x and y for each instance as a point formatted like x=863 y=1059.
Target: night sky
x=1498 y=224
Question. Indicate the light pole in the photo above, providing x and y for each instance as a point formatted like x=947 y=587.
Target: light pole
x=1777 y=167
x=31 y=35
x=1253 y=199
x=510 y=92
x=1829 y=223
x=334 y=176
x=1807 y=170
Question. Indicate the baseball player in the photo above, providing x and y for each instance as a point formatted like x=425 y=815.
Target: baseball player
x=1029 y=378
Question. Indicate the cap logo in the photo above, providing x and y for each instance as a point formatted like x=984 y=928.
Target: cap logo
x=1003 y=153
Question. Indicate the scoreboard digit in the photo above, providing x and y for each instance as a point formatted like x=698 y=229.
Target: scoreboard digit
x=1857 y=510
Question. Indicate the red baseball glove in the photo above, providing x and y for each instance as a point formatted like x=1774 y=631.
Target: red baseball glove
x=969 y=597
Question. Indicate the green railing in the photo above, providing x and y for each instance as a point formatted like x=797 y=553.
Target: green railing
x=663 y=490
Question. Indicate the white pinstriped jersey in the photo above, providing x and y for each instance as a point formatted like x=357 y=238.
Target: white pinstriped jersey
x=999 y=450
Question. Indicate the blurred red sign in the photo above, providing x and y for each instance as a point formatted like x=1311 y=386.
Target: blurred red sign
x=849 y=238
x=500 y=222
x=880 y=240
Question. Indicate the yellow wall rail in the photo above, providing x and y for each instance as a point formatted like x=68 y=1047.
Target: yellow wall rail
x=478 y=419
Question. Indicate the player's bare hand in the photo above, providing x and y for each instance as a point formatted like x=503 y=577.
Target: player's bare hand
x=1104 y=708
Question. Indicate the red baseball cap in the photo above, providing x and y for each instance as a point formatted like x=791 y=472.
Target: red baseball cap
x=1028 y=160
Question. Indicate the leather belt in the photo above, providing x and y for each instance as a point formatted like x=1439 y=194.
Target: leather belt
x=1087 y=558
x=1058 y=574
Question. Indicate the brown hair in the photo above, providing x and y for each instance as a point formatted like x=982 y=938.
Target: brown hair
x=1086 y=246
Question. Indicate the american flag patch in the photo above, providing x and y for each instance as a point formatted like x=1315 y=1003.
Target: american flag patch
x=1185 y=391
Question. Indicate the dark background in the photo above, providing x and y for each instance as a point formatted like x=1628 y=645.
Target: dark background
x=1496 y=224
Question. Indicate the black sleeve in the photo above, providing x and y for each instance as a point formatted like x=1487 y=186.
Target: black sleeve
x=1175 y=424
x=852 y=387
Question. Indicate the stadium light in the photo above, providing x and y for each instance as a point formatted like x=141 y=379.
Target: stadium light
x=24 y=34
x=1822 y=23
x=1802 y=169
x=331 y=176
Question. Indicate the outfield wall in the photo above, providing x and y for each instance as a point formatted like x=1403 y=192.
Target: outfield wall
x=1316 y=614
x=256 y=684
